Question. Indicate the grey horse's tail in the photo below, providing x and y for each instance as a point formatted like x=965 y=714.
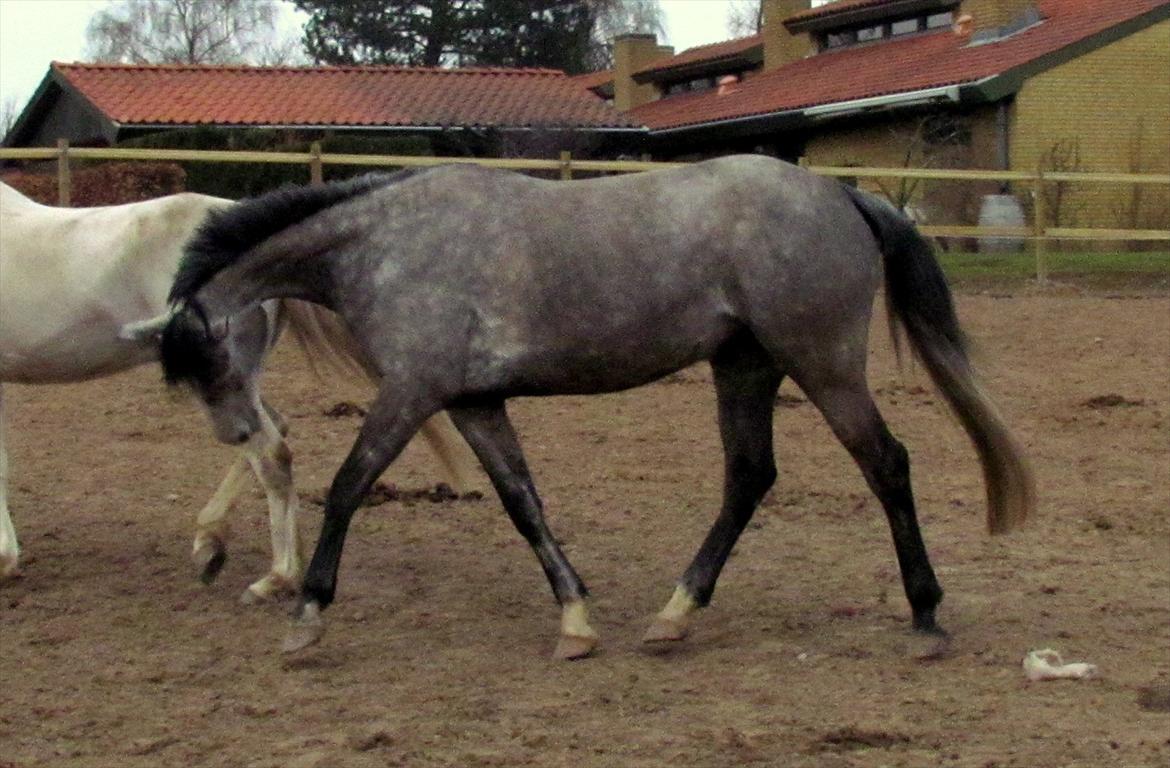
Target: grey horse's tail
x=917 y=297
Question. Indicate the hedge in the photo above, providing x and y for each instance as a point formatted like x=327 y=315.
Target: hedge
x=237 y=180
x=103 y=184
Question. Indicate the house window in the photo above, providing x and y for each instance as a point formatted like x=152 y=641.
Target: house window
x=689 y=86
x=844 y=36
x=840 y=39
x=904 y=27
x=936 y=20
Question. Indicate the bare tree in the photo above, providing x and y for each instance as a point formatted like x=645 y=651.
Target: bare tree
x=9 y=111
x=745 y=18
x=188 y=32
x=620 y=17
x=1060 y=206
x=938 y=140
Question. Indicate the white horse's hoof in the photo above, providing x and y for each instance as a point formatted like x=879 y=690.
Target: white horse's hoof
x=10 y=570
x=271 y=587
x=209 y=557
x=305 y=630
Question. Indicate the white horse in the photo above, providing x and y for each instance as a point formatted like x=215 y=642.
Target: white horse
x=76 y=288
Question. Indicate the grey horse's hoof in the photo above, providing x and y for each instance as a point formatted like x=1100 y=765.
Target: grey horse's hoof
x=929 y=645
x=305 y=630
x=665 y=631
x=571 y=647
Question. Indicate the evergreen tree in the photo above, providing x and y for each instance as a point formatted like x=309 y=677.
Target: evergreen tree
x=535 y=33
x=407 y=32
x=572 y=35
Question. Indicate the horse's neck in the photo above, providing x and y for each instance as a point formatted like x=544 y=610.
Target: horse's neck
x=263 y=277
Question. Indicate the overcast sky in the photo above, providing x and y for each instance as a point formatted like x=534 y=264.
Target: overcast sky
x=36 y=32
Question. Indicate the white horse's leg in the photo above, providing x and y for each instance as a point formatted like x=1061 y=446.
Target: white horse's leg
x=9 y=549
x=459 y=463
x=271 y=459
x=211 y=529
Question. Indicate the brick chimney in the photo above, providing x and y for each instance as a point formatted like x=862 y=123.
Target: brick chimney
x=630 y=53
x=781 y=46
x=988 y=14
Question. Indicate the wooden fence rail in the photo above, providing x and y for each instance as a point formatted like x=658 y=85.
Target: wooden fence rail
x=1038 y=233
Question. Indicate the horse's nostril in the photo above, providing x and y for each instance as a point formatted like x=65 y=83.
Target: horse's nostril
x=242 y=437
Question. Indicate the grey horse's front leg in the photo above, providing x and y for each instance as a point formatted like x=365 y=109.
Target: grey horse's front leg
x=489 y=433
x=746 y=382
x=390 y=423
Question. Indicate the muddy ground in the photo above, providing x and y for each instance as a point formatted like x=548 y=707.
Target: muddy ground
x=438 y=651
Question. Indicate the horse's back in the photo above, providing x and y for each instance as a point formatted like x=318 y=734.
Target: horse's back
x=73 y=276
x=557 y=274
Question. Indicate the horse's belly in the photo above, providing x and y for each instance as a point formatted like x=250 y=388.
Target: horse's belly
x=73 y=355
x=604 y=363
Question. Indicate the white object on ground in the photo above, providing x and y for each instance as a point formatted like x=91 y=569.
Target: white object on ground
x=1047 y=664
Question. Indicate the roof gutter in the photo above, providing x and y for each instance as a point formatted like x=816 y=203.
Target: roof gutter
x=946 y=93
x=942 y=94
x=375 y=128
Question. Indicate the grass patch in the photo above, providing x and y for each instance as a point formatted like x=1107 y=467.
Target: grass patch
x=1108 y=270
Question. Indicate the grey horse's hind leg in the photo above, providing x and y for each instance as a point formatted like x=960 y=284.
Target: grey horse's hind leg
x=746 y=381
x=855 y=420
x=490 y=434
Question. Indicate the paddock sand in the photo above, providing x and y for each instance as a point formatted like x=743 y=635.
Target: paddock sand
x=438 y=648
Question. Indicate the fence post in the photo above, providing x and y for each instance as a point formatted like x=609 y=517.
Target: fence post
x=316 y=171
x=64 y=175
x=1039 y=214
x=566 y=165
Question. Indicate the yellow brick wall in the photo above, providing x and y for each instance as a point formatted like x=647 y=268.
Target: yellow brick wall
x=1113 y=106
x=885 y=143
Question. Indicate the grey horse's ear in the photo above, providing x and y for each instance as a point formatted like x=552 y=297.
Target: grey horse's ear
x=146 y=330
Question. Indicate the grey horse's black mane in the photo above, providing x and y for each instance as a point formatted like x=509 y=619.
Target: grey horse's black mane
x=227 y=234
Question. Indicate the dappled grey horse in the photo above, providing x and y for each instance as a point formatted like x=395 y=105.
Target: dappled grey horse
x=469 y=286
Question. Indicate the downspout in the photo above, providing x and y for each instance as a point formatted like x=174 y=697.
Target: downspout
x=1002 y=125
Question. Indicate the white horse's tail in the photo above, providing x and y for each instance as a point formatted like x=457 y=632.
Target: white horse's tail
x=327 y=345
x=332 y=352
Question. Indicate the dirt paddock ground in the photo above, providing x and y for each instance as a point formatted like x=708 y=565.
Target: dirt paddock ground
x=438 y=649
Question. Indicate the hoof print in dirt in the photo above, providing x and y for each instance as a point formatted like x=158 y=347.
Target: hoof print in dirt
x=852 y=738
x=1101 y=402
x=344 y=410
x=1155 y=698
x=383 y=493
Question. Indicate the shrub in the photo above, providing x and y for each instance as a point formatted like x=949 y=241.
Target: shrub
x=103 y=184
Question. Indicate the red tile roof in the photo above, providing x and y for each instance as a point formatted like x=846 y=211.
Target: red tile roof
x=593 y=80
x=704 y=54
x=339 y=96
x=894 y=66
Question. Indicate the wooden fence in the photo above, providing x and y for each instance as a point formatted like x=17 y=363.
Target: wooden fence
x=1037 y=233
